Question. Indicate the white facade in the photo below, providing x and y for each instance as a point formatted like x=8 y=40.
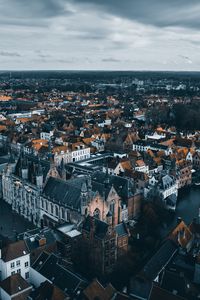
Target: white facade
x=143 y=169
x=72 y=156
x=19 y=265
x=23 y=198
x=36 y=278
x=46 y=135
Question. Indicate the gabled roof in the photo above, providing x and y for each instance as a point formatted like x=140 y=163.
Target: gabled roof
x=182 y=234
x=63 y=192
x=56 y=273
x=160 y=259
x=121 y=229
x=159 y=293
x=14 y=284
x=100 y=228
x=14 y=250
x=48 y=291
x=97 y=291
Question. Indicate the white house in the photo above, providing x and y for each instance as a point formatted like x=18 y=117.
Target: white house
x=46 y=135
x=14 y=258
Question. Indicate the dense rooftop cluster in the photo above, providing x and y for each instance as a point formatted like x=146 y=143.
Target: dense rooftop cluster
x=96 y=163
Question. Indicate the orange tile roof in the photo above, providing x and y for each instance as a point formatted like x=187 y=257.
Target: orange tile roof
x=58 y=149
x=182 y=234
x=24 y=120
x=140 y=163
x=5 y=98
x=39 y=141
x=3 y=127
x=126 y=165
x=168 y=143
x=88 y=141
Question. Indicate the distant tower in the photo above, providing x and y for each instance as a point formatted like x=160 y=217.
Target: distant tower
x=84 y=199
x=109 y=218
x=39 y=176
x=63 y=172
x=199 y=216
x=24 y=168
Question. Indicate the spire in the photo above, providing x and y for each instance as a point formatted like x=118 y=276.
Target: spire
x=39 y=170
x=63 y=172
x=84 y=188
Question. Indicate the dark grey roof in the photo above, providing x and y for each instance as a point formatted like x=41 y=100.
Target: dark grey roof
x=59 y=275
x=171 y=200
x=172 y=281
x=33 y=164
x=100 y=227
x=32 y=241
x=121 y=229
x=122 y=185
x=63 y=192
x=167 y=181
x=159 y=260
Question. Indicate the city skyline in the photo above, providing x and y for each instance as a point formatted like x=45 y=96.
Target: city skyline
x=100 y=35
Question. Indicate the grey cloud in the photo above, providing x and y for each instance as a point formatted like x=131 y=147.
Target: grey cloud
x=111 y=60
x=34 y=12
x=181 y=13
x=9 y=54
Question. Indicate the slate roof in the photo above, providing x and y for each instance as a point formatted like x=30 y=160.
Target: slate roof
x=167 y=181
x=48 y=291
x=160 y=259
x=32 y=240
x=68 y=193
x=121 y=229
x=120 y=184
x=63 y=278
x=34 y=164
x=96 y=290
x=159 y=293
x=100 y=227
x=172 y=281
x=62 y=192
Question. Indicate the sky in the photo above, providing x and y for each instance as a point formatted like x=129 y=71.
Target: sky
x=100 y=35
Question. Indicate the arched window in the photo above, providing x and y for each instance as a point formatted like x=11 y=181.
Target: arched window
x=56 y=210
x=63 y=213
x=96 y=213
x=112 y=207
x=51 y=208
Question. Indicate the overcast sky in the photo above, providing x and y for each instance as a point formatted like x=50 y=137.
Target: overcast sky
x=100 y=34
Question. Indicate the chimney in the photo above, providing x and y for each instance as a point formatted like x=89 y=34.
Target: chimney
x=41 y=240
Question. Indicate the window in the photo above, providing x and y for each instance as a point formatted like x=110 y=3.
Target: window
x=13 y=273
x=12 y=265
x=19 y=271
x=18 y=263
x=26 y=275
x=96 y=213
x=56 y=207
x=26 y=264
x=63 y=213
x=51 y=208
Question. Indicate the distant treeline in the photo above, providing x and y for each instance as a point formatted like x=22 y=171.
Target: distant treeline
x=182 y=116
